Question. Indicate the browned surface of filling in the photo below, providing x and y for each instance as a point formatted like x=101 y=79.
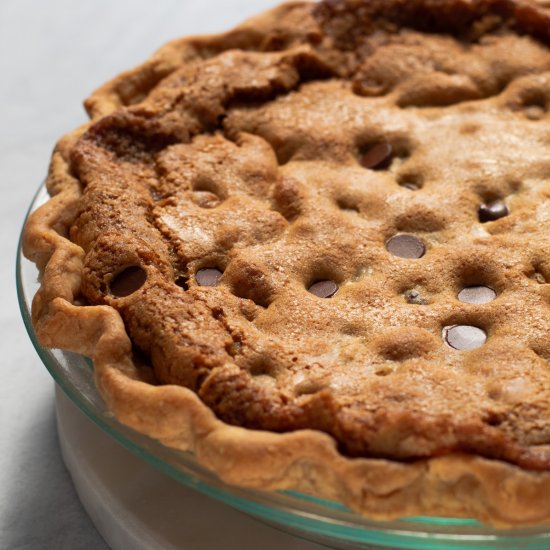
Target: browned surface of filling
x=300 y=221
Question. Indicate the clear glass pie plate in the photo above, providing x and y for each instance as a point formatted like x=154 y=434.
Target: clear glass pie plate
x=312 y=518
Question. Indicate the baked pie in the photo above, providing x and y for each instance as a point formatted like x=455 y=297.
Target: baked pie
x=315 y=250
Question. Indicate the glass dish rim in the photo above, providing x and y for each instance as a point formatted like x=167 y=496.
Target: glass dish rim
x=288 y=509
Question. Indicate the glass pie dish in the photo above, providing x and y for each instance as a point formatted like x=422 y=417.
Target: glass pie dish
x=312 y=518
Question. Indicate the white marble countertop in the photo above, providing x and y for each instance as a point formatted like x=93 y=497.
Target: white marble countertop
x=52 y=54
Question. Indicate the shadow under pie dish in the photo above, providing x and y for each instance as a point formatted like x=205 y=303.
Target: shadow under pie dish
x=315 y=251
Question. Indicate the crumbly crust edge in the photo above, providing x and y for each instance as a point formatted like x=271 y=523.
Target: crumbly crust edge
x=456 y=485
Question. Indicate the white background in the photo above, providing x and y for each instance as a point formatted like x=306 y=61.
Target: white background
x=52 y=54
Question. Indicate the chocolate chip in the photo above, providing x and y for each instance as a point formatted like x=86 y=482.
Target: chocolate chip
x=323 y=289
x=492 y=211
x=206 y=199
x=156 y=195
x=534 y=112
x=235 y=348
x=477 y=295
x=414 y=297
x=406 y=246
x=411 y=180
x=369 y=86
x=378 y=157
x=127 y=281
x=209 y=276
x=464 y=337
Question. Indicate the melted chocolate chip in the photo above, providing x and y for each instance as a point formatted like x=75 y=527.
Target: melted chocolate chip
x=209 y=276
x=206 y=199
x=477 y=295
x=323 y=289
x=492 y=211
x=128 y=281
x=406 y=246
x=534 y=112
x=378 y=157
x=464 y=337
x=410 y=185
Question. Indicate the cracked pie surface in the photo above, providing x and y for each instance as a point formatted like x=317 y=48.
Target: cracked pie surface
x=315 y=250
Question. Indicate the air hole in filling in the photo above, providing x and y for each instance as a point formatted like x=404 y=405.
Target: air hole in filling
x=347 y=204
x=258 y=293
x=128 y=281
x=542 y=351
x=494 y=392
x=181 y=281
x=383 y=371
x=248 y=280
x=261 y=368
x=493 y=419
x=284 y=152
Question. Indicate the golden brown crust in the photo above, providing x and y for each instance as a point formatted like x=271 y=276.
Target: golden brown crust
x=281 y=27
x=150 y=162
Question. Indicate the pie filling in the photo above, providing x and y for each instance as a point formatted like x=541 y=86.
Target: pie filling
x=349 y=231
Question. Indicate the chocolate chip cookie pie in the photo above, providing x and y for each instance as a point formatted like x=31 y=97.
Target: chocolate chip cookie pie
x=315 y=251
